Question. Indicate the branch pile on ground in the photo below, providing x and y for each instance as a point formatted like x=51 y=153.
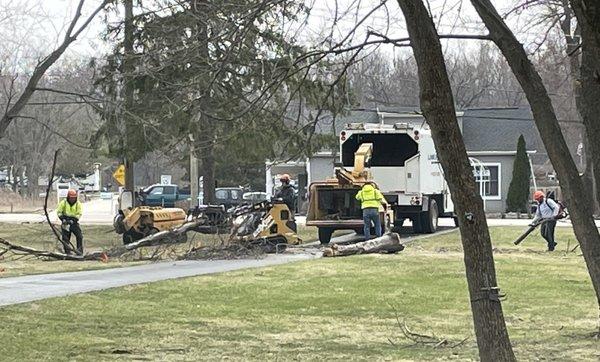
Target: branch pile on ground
x=386 y=244
x=231 y=251
x=168 y=237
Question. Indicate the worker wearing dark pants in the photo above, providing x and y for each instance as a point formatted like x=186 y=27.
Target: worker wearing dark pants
x=71 y=226
x=547 y=231
x=69 y=212
x=370 y=201
x=546 y=213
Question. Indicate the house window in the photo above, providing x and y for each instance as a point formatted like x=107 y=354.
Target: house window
x=489 y=180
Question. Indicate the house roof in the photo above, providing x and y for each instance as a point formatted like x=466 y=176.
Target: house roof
x=498 y=129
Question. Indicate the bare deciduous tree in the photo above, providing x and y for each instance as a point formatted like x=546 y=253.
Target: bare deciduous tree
x=437 y=104
x=16 y=102
x=576 y=195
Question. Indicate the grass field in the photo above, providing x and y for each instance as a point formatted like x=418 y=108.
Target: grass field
x=327 y=309
x=96 y=237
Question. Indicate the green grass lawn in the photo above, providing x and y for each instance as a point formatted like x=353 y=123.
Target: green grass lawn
x=96 y=237
x=326 y=309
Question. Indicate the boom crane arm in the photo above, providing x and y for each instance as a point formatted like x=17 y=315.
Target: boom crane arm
x=360 y=172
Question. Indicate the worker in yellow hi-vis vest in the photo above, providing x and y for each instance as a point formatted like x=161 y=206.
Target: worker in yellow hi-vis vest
x=370 y=200
x=69 y=213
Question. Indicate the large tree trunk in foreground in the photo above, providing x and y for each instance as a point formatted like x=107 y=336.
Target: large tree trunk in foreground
x=576 y=195
x=437 y=104
x=588 y=80
x=388 y=243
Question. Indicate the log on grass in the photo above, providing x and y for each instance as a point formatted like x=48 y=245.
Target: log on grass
x=388 y=243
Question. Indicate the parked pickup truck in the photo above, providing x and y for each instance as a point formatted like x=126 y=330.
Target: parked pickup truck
x=163 y=195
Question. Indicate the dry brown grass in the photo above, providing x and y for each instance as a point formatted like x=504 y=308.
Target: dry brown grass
x=13 y=202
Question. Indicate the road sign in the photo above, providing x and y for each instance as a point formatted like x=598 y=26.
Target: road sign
x=119 y=175
x=165 y=179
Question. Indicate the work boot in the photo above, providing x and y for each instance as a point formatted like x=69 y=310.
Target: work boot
x=551 y=246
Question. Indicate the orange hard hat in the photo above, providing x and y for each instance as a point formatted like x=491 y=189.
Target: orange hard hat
x=538 y=195
x=71 y=193
x=284 y=177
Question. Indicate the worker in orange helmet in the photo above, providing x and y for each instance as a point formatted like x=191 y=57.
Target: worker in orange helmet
x=286 y=193
x=546 y=213
x=69 y=213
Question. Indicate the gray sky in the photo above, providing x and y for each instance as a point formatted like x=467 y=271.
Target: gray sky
x=32 y=27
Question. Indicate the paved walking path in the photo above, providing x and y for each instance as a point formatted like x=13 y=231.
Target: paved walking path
x=36 y=287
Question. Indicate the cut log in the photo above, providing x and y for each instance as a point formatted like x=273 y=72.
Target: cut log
x=387 y=244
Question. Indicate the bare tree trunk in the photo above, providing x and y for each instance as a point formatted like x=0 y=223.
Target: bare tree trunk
x=438 y=108
x=588 y=12
x=207 y=141
x=589 y=89
x=547 y=124
x=128 y=68
x=572 y=39
x=208 y=172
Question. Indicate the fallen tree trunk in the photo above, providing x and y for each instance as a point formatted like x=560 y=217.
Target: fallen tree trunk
x=174 y=236
x=48 y=254
x=167 y=237
x=388 y=243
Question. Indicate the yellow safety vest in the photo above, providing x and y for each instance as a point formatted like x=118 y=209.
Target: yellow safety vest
x=66 y=209
x=369 y=196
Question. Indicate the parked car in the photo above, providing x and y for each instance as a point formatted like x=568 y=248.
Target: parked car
x=229 y=196
x=254 y=197
x=162 y=195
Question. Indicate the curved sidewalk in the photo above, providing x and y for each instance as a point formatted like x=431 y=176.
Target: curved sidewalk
x=36 y=287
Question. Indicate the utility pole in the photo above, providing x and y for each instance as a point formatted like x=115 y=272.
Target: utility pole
x=193 y=173
x=128 y=68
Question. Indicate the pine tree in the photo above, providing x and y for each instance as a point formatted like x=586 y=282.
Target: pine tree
x=518 y=191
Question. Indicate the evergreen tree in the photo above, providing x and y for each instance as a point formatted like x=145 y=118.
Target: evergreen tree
x=518 y=191
x=224 y=75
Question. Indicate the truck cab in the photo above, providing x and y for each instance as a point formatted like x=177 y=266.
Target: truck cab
x=404 y=166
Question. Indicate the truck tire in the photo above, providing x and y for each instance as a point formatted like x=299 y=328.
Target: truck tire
x=429 y=219
x=325 y=235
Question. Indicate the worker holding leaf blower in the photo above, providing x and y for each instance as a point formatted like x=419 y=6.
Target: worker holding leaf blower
x=546 y=213
x=69 y=213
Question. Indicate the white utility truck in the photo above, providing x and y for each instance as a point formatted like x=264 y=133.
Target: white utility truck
x=403 y=164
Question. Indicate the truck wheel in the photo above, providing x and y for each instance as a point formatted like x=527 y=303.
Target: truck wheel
x=429 y=219
x=325 y=235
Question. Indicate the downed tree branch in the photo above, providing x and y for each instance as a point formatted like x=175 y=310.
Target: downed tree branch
x=43 y=253
x=388 y=243
x=423 y=339
x=168 y=237
x=174 y=236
